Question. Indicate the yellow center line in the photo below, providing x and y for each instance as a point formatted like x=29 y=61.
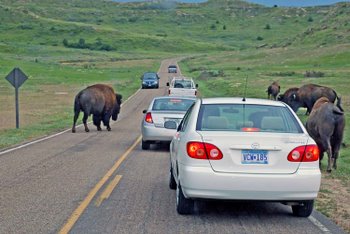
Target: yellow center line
x=107 y=192
x=80 y=209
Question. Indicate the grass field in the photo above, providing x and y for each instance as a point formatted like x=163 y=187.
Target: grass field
x=64 y=46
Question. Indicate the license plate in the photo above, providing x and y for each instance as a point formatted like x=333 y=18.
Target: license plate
x=255 y=157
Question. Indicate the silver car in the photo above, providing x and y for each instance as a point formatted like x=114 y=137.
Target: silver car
x=161 y=110
x=244 y=149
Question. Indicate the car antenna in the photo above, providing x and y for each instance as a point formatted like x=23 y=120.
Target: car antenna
x=245 y=89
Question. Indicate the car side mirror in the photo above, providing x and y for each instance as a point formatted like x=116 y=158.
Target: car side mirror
x=167 y=83
x=144 y=111
x=170 y=124
x=196 y=85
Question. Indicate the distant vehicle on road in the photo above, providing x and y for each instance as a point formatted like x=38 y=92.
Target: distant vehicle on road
x=150 y=80
x=182 y=86
x=160 y=110
x=250 y=149
x=172 y=69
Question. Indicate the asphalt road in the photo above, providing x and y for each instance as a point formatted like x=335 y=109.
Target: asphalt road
x=102 y=182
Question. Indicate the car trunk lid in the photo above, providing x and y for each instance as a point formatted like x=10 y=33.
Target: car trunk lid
x=159 y=117
x=247 y=152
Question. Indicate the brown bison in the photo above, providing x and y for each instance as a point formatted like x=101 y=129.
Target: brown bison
x=273 y=90
x=99 y=100
x=307 y=95
x=326 y=125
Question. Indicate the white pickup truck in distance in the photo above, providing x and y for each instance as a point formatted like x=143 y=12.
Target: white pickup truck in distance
x=181 y=86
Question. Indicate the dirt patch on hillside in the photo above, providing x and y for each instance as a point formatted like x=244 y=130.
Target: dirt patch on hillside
x=334 y=200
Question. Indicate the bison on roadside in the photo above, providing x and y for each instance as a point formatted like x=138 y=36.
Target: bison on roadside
x=99 y=100
x=273 y=90
x=326 y=125
x=307 y=95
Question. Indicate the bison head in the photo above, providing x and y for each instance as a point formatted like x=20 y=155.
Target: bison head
x=290 y=97
x=117 y=107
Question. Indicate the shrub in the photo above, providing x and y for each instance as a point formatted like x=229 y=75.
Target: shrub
x=315 y=74
x=267 y=26
x=259 y=38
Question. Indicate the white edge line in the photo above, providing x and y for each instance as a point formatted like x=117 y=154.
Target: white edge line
x=319 y=225
x=54 y=135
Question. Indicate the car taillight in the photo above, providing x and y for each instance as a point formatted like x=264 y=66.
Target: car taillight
x=200 y=150
x=148 y=117
x=250 y=129
x=304 y=153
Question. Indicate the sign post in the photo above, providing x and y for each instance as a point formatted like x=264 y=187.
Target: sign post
x=16 y=77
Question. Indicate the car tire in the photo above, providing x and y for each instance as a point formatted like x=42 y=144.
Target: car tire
x=172 y=182
x=184 y=206
x=304 y=209
x=145 y=145
x=157 y=87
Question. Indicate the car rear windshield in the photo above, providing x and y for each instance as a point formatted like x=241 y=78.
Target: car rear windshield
x=186 y=84
x=247 y=118
x=172 y=104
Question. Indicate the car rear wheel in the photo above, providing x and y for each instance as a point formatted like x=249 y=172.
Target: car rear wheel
x=145 y=145
x=172 y=182
x=183 y=205
x=304 y=209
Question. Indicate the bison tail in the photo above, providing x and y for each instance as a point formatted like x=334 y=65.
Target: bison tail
x=339 y=104
x=77 y=103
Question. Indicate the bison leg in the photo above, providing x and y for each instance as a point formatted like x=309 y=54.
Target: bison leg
x=335 y=148
x=330 y=160
x=86 y=115
x=106 y=118
x=321 y=157
x=97 y=122
x=76 y=115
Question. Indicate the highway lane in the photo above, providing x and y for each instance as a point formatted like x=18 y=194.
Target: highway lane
x=44 y=184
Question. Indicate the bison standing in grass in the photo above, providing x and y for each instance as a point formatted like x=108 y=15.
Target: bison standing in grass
x=99 y=100
x=307 y=95
x=273 y=90
x=326 y=125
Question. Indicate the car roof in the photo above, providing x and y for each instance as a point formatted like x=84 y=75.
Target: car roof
x=239 y=100
x=175 y=97
x=181 y=78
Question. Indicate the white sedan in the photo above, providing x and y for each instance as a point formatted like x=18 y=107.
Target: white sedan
x=244 y=149
x=161 y=110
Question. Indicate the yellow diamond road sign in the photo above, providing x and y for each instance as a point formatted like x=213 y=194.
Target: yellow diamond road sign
x=16 y=77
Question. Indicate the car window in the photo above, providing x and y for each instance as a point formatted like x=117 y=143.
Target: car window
x=172 y=104
x=149 y=76
x=187 y=84
x=241 y=117
x=185 y=119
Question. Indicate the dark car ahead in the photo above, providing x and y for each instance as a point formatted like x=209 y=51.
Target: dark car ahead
x=172 y=69
x=150 y=80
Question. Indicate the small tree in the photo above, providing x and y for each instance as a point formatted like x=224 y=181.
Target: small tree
x=310 y=19
x=65 y=42
x=267 y=26
x=224 y=27
x=81 y=43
